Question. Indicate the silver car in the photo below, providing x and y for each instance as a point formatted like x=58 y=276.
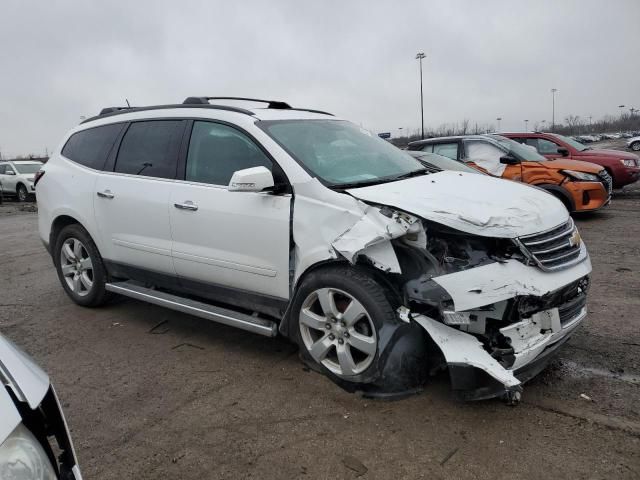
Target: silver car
x=17 y=178
x=32 y=426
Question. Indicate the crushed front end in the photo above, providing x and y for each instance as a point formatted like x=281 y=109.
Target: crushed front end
x=496 y=308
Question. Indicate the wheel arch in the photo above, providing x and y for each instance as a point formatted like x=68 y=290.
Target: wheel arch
x=59 y=223
x=561 y=194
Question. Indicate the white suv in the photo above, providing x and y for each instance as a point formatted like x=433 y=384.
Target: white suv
x=17 y=178
x=292 y=221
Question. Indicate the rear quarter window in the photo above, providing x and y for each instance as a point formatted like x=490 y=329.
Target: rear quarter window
x=91 y=147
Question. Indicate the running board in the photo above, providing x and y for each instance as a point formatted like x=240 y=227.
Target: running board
x=193 y=307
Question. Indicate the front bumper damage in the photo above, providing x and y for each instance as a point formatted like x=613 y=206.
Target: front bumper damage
x=473 y=299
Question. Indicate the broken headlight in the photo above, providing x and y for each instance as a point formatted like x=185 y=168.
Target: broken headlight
x=457 y=251
x=23 y=458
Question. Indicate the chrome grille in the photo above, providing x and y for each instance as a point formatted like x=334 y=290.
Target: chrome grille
x=554 y=249
x=607 y=180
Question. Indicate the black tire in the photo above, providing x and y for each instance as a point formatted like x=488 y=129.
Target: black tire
x=22 y=193
x=635 y=146
x=96 y=295
x=399 y=365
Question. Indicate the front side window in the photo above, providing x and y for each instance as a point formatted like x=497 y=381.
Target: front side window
x=523 y=152
x=486 y=155
x=26 y=168
x=447 y=150
x=92 y=146
x=150 y=148
x=216 y=151
x=340 y=153
x=545 y=147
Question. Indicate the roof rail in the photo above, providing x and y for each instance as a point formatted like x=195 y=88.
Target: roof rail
x=276 y=104
x=111 y=111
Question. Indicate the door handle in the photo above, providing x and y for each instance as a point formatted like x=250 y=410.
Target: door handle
x=106 y=194
x=188 y=205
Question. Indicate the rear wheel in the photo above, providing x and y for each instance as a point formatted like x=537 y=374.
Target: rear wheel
x=80 y=268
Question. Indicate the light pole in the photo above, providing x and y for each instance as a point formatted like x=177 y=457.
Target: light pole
x=420 y=56
x=526 y=125
x=553 y=108
x=620 y=107
x=499 y=119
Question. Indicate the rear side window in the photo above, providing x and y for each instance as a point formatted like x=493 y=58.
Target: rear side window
x=2 y=169
x=91 y=147
x=216 y=151
x=150 y=149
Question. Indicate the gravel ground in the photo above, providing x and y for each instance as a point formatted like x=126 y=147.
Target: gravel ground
x=151 y=393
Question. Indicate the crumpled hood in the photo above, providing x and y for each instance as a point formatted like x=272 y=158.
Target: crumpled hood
x=476 y=204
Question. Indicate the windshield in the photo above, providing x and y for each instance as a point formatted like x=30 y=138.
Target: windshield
x=523 y=152
x=27 y=167
x=577 y=145
x=341 y=153
x=443 y=163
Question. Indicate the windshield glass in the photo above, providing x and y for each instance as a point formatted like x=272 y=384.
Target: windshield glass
x=577 y=145
x=523 y=152
x=341 y=153
x=27 y=167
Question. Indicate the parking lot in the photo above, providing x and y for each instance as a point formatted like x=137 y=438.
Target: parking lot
x=151 y=393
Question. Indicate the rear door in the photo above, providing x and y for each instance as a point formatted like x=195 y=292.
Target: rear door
x=220 y=237
x=131 y=199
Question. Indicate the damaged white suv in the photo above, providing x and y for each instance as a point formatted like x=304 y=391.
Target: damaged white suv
x=292 y=221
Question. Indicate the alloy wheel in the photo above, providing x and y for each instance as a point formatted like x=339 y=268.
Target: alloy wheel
x=337 y=331
x=76 y=265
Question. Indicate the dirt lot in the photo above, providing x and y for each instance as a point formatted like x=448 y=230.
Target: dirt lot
x=191 y=399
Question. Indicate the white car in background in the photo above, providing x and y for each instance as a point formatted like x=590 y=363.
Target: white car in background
x=34 y=439
x=291 y=221
x=634 y=144
x=17 y=178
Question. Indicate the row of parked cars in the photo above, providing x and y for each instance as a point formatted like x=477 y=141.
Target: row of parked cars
x=382 y=267
x=597 y=137
x=581 y=177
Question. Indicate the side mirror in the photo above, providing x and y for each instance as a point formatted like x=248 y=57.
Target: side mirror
x=255 y=179
x=9 y=172
x=509 y=160
x=563 y=151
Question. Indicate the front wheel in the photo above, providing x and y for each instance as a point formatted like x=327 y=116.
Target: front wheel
x=22 y=193
x=80 y=268
x=635 y=146
x=345 y=325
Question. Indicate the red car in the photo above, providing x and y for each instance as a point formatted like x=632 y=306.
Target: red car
x=624 y=167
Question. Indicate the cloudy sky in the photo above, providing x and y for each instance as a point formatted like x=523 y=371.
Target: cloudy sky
x=60 y=60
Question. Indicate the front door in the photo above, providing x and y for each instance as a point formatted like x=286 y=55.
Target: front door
x=220 y=237
x=487 y=156
x=131 y=202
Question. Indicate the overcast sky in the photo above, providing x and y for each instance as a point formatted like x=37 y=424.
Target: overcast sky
x=60 y=60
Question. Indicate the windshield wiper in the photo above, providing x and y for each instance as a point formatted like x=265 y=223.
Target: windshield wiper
x=414 y=173
x=367 y=183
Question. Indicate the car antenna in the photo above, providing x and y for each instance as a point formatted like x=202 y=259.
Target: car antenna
x=127 y=100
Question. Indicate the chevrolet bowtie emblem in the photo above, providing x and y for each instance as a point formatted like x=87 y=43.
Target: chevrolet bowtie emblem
x=575 y=239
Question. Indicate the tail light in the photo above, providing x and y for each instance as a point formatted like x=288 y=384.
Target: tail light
x=39 y=175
